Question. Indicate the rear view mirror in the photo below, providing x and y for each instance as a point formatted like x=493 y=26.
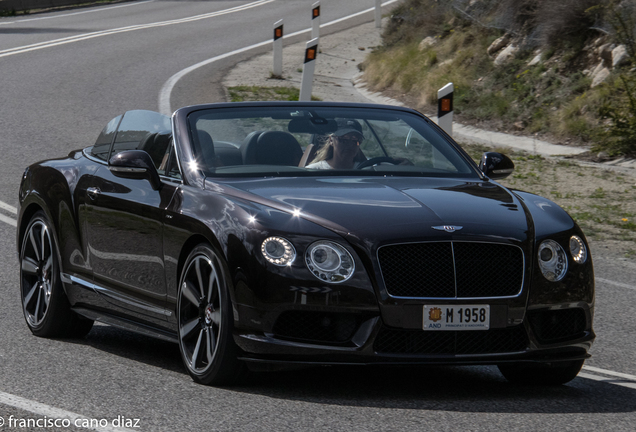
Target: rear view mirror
x=496 y=165
x=135 y=164
x=316 y=125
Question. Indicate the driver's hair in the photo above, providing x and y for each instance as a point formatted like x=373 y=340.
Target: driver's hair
x=326 y=148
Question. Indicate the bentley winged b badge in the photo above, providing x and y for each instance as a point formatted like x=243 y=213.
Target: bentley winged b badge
x=447 y=228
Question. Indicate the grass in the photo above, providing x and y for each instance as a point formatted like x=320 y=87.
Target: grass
x=545 y=98
x=602 y=202
x=257 y=93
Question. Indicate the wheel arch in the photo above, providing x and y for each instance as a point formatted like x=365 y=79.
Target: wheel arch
x=192 y=242
x=46 y=188
x=26 y=215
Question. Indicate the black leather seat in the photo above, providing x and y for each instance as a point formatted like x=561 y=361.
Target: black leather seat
x=205 y=151
x=156 y=144
x=271 y=148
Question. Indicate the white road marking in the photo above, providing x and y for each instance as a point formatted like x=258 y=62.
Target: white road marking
x=8 y=207
x=51 y=412
x=8 y=220
x=75 y=13
x=611 y=373
x=618 y=284
x=166 y=89
x=631 y=385
x=86 y=36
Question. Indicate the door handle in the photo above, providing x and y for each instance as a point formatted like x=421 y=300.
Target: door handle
x=93 y=192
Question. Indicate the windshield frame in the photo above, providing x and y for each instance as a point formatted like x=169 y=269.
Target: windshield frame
x=185 y=117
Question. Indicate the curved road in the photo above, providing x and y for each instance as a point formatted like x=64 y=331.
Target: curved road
x=64 y=75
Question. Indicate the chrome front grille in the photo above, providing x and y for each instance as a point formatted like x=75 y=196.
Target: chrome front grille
x=452 y=270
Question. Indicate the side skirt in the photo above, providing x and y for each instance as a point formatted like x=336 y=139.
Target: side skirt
x=125 y=324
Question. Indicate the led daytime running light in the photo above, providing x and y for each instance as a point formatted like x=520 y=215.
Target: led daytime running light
x=578 y=250
x=278 y=251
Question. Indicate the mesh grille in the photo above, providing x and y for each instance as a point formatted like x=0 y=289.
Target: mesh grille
x=555 y=325
x=432 y=269
x=418 y=270
x=398 y=341
x=317 y=326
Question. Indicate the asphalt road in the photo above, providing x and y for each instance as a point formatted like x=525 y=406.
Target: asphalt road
x=64 y=75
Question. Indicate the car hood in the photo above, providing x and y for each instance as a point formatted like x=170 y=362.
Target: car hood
x=381 y=209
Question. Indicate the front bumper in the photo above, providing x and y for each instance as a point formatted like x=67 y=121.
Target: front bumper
x=541 y=337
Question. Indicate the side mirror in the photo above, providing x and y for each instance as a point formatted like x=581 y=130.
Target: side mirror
x=135 y=164
x=496 y=165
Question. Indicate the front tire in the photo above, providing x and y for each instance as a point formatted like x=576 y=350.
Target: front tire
x=531 y=374
x=46 y=309
x=205 y=320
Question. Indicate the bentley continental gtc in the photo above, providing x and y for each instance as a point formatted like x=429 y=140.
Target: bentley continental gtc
x=299 y=234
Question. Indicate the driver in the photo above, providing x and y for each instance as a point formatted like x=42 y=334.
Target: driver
x=342 y=147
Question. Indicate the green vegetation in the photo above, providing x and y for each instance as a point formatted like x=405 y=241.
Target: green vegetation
x=256 y=93
x=544 y=88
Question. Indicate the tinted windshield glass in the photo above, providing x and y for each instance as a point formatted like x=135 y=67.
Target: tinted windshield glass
x=136 y=127
x=321 y=141
x=101 y=149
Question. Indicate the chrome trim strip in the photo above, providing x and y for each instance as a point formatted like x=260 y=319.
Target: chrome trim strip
x=523 y=275
x=125 y=324
x=116 y=296
x=127 y=169
x=93 y=158
x=454 y=268
x=177 y=154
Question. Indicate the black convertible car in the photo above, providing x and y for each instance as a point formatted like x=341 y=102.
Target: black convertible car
x=267 y=235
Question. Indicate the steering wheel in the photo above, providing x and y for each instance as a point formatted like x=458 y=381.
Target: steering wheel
x=377 y=161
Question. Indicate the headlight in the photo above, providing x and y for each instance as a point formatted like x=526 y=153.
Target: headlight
x=329 y=261
x=278 y=251
x=578 y=249
x=552 y=260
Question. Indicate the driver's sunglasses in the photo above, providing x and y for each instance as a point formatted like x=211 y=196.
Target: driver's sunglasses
x=350 y=141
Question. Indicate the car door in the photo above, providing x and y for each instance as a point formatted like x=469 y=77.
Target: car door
x=125 y=224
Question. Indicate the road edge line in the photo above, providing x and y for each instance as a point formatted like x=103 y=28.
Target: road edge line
x=166 y=89
x=50 y=411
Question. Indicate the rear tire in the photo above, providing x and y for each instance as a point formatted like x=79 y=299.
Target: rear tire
x=205 y=320
x=538 y=374
x=46 y=309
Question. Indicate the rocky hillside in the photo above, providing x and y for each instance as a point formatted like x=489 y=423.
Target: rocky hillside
x=561 y=69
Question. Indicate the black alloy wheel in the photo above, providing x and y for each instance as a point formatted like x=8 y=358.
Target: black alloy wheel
x=205 y=320
x=44 y=303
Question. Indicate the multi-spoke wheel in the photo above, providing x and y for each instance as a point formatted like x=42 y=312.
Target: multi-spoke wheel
x=46 y=308
x=205 y=322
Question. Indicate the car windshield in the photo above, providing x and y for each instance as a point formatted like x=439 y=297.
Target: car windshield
x=321 y=140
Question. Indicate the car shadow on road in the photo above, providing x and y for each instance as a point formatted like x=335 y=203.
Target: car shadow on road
x=133 y=346
x=477 y=389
